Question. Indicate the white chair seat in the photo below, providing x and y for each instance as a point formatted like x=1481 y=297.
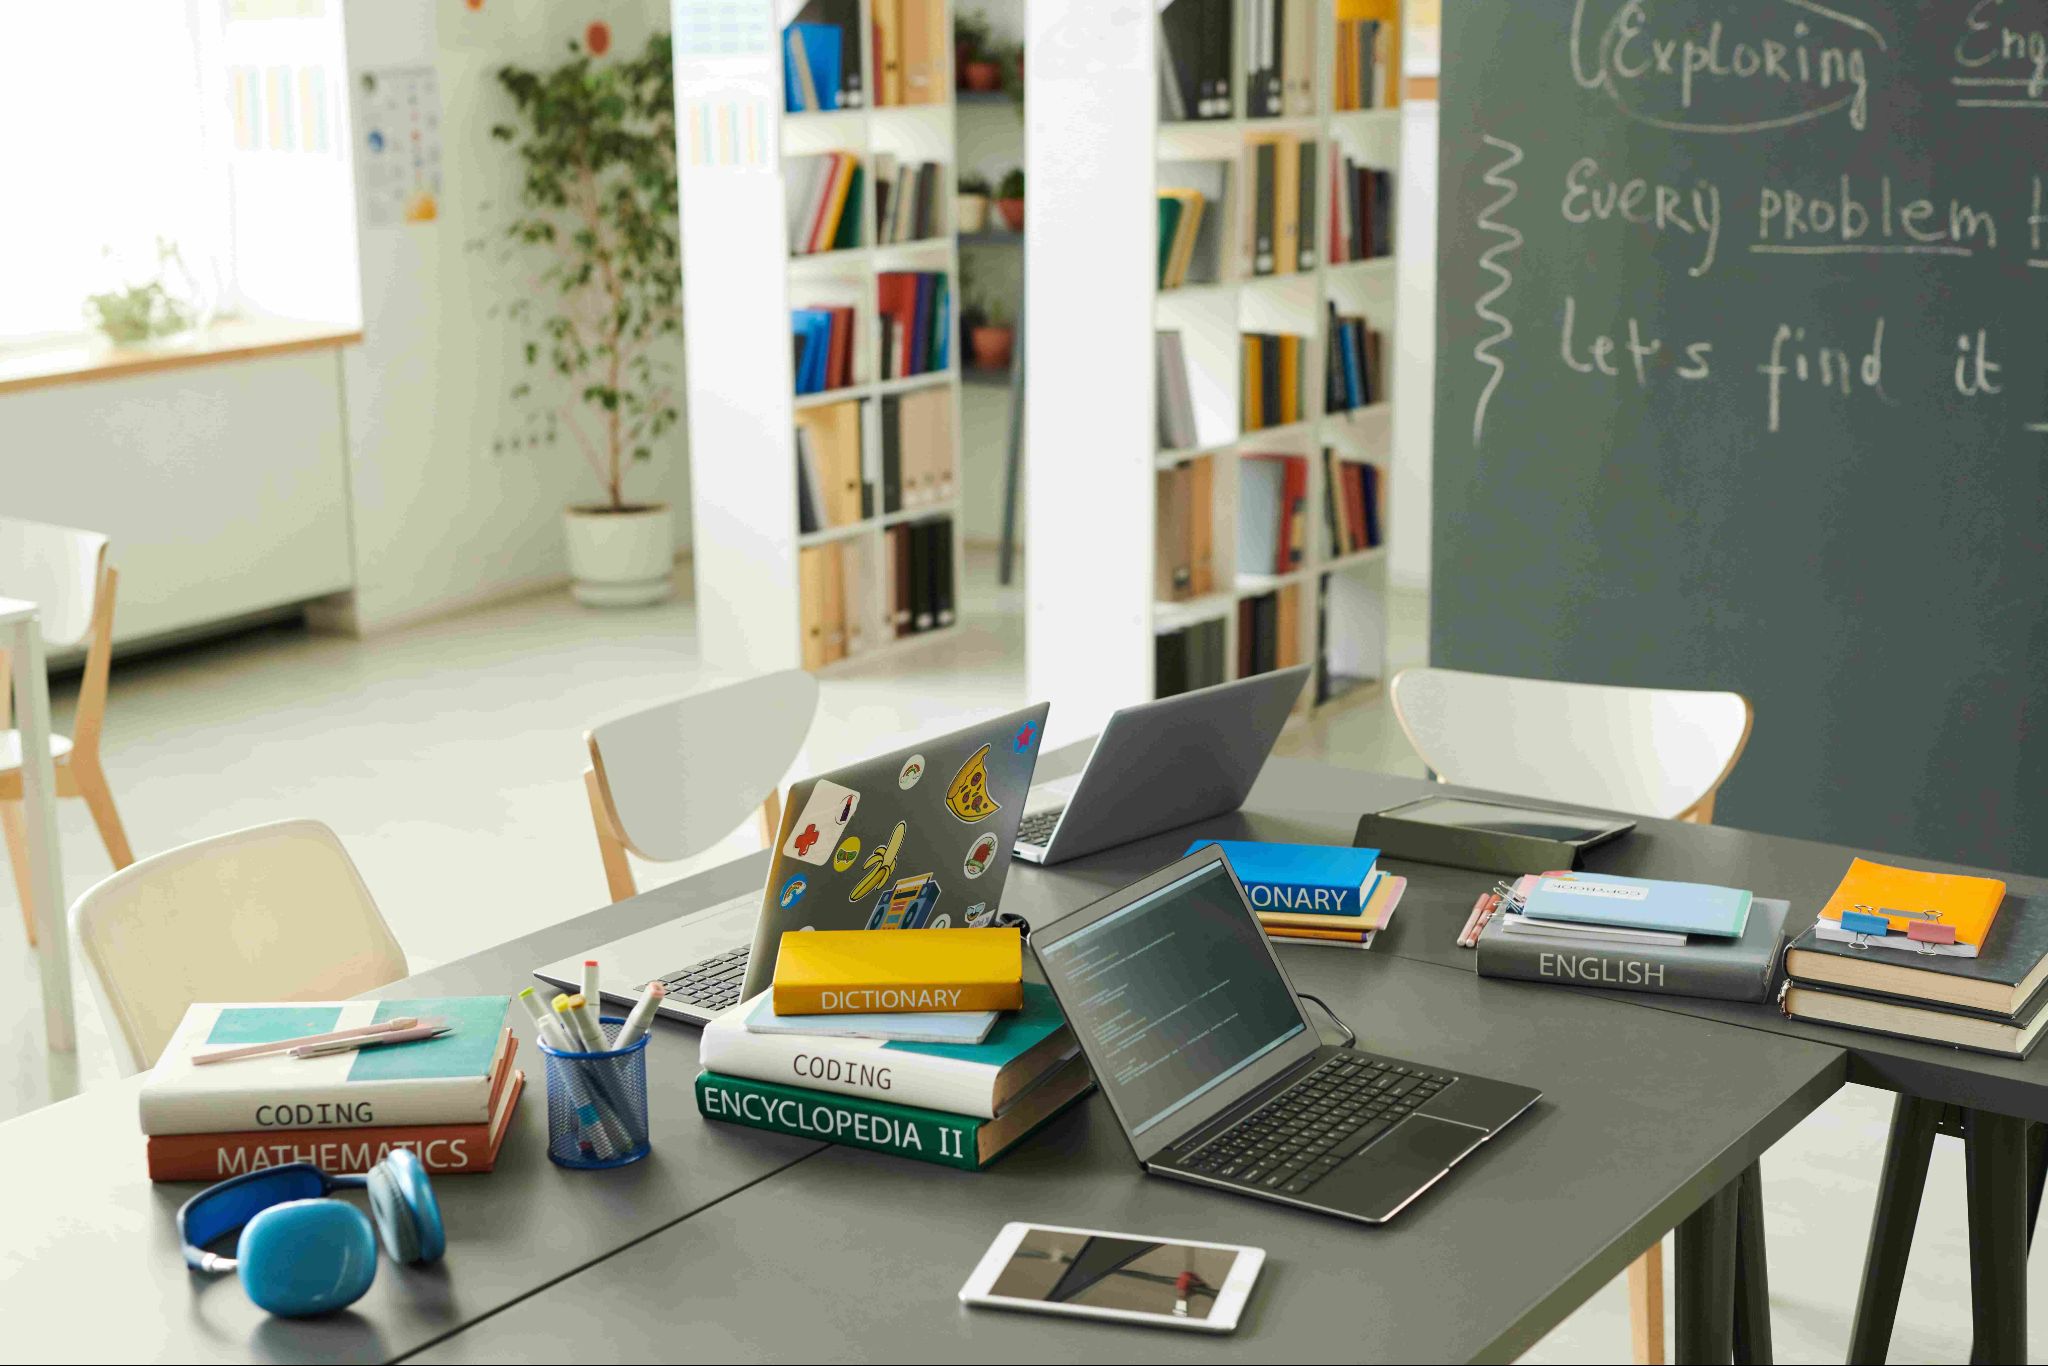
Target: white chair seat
x=10 y=749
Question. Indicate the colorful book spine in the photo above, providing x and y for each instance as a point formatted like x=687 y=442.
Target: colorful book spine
x=926 y=1135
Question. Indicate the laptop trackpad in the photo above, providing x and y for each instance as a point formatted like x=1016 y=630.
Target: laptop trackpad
x=1384 y=1177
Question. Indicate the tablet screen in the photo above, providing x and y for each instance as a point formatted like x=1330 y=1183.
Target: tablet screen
x=1497 y=818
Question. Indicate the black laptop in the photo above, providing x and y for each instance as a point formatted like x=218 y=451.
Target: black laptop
x=1217 y=1074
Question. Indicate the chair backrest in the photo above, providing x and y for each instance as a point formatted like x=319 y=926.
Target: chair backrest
x=1645 y=751
x=58 y=569
x=273 y=913
x=678 y=777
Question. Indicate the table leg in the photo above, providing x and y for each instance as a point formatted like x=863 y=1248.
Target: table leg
x=1891 y=1226
x=1995 y=1157
x=2037 y=1168
x=1706 y=1280
x=39 y=814
x=1752 y=1274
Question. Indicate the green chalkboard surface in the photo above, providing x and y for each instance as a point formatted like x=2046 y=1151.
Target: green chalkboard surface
x=1742 y=382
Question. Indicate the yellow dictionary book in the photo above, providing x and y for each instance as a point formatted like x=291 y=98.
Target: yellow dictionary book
x=1965 y=904
x=1339 y=936
x=862 y=972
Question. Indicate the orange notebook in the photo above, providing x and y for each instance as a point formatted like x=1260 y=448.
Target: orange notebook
x=1967 y=904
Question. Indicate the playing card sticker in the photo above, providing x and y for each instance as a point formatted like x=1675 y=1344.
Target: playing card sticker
x=825 y=815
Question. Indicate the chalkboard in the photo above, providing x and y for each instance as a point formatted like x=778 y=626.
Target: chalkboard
x=1742 y=382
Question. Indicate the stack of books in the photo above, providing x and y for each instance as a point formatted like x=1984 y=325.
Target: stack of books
x=1280 y=210
x=1934 y=956
x=1361 y=211
x=1272 y=513
x=1351 y=503
x=917 y=322
x=824 y=342
x=1184 y=549
x=1354 y=365
x=923 y=1043
x=908 y=199
x=1273 y=373
x=449 y=1098
x=1280 y=58
x=1188 y=658
x=1269 y=631
x=858 y=593
x=1194 y=204
x=1368 y=54
x=1194 y=41
x=1328 y=895
x=824 y=201
x=1633 y=934
x=821 y=58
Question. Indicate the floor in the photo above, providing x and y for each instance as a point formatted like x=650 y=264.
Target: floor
x=447 y=756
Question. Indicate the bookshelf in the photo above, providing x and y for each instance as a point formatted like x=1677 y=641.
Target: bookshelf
x=745 y=169
x=1098 y=155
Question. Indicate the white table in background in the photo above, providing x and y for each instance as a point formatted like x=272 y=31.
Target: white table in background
x=39 y=811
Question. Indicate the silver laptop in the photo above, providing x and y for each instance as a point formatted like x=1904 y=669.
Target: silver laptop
x=1162 y=764
x=917 y=839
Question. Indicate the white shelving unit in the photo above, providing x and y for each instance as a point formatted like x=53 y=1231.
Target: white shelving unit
x=1096 y=152
x=740 y=282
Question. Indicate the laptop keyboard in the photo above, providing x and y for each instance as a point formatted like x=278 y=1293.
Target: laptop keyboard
x=712 y=984
x=1037 y=826
x=1302 y=1136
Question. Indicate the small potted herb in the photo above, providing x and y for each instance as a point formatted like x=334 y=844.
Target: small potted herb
x=970 y=204
x=161 y=310
x=974 y=57
x=991 y=336
x=1010 y=199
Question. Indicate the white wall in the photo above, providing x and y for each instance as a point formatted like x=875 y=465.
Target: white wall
x=457 y=489
x=1415 y=342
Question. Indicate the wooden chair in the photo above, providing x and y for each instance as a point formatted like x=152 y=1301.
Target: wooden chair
x=66 y=574
x=673 y=779
x=274 y=913
x=1648 y=751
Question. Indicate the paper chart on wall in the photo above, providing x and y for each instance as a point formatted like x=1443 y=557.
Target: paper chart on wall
x=400 y=162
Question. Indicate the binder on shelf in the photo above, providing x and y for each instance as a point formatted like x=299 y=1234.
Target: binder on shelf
x=1188 y=658
x=843 y=17
x=811 y=72
x=829 y=438
x=1175 y=398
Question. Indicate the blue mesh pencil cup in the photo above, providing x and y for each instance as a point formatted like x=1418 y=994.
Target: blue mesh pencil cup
x=597 y=1103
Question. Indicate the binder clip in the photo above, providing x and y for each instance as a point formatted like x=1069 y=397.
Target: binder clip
x=1862 y=922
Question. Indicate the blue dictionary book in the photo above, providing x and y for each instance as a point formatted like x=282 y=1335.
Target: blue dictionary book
x=1640 y=904
x=1306 y=879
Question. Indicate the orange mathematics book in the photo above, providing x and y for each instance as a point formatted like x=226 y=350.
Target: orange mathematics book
x=1965 y=904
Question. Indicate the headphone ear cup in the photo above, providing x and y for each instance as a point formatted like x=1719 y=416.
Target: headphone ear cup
x=408 y=1215
x=307 y=1257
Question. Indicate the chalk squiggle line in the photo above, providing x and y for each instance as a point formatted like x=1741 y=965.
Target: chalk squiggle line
x=1511 y=240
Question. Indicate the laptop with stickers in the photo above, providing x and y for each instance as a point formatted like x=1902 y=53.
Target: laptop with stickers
x=919 y=838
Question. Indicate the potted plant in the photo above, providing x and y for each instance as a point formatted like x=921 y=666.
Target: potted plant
x=970 y=204
x=973 y=54
x=598 y=210
x=163 y=310
x=1010 y=199
x=990 y=335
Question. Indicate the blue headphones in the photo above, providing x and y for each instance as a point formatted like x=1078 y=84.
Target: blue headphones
x=302 y=1253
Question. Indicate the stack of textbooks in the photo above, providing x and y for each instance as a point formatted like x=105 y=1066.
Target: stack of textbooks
x=449 y=1098
x=1328 y=895
x=1674 y=938
x=824 y=202
x=923 y=1043
x=1934 y=956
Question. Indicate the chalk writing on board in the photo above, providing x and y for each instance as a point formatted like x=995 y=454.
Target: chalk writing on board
x=1992 y=44
x=1645 y=64
x=1490 y=260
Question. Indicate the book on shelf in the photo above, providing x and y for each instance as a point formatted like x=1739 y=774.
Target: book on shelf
x=1272 y=379
x=1368 y=57
x=1184 y=499
x=916 y=313
x=1175 y=396
x=1351 y=503
x=824 y=345
x=445 y=1080
x=823 y=202
x=1737 y=969
x=1269 y=631
x=916 y=573
x=829 y=449
x=910 y=199
x=443 y=1149
x=954 y=1140
x=1272 y=513
x=979 y=1079
x=1361 y=210
x=917 y=458
x=1280 y=58
x=1194 y=39
x=811 y=67
x=1188 y=658
x=1280 y=212
x=1354 y=362
x=1194 y=207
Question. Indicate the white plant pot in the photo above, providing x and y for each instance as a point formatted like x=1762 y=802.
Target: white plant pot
x=621 y=559
x=970 y=212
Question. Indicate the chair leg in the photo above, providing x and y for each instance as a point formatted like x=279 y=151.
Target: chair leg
x=1646 y=1306
x=1752 y=1274
x=1995 y=1160
x=611 y=850
x=99 y=799
x=1899 y=1188
x=17 y=858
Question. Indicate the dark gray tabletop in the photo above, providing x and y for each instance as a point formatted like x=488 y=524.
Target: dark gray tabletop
x=90 y=1269
x=851 y=1255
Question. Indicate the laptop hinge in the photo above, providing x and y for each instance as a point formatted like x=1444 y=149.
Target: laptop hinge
x=1228 y=1118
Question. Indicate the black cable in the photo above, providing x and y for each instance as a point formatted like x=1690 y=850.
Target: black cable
x=1338 y=1020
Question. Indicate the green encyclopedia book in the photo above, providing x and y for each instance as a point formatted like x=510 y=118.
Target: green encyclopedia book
x=961 y=1141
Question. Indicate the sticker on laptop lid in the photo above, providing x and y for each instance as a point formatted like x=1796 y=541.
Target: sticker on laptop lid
x=906 y=906
x=825 y=815
x=880 y=865
x=979 y=855
x=1026 y=733
x=967 y=796
x=792 y=891
x=846 y=853
x=978 y=916
x=912 y=770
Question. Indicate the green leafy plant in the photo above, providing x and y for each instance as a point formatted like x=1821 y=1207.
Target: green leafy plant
x=598 y=208
x=973 y=183
x=1013 y=184
x=139 y=313
x=971 y=36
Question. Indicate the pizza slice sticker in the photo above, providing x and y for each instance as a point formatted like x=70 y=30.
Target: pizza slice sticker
x=967 y=796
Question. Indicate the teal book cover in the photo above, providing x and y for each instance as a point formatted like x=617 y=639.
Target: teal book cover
x=1640 y=904
x=1305 y=879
